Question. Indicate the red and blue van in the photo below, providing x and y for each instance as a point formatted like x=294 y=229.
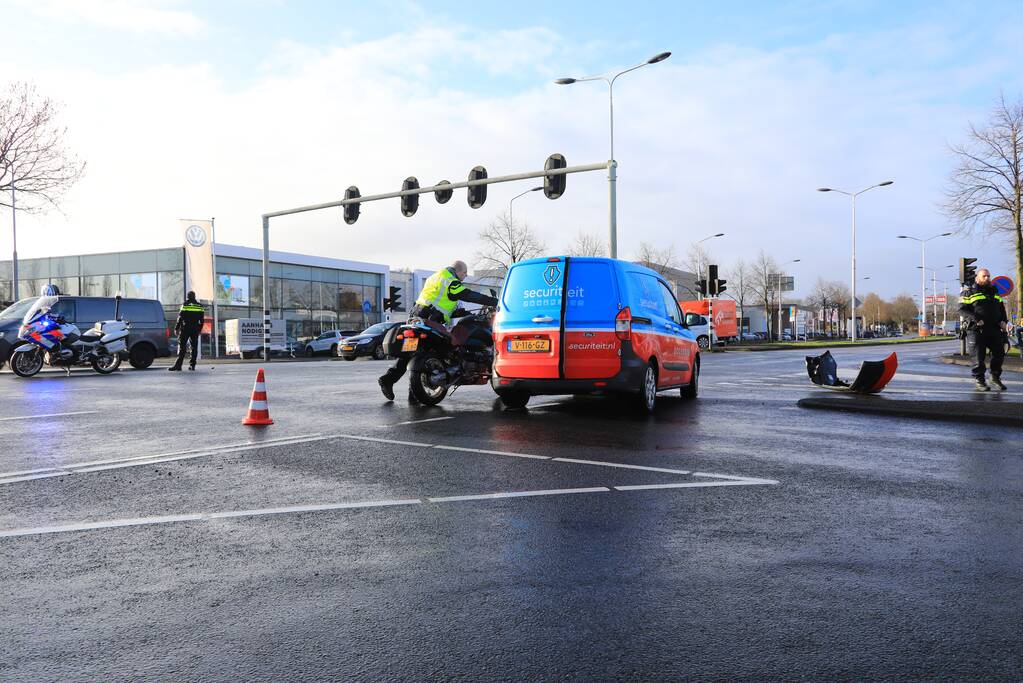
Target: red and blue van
x=583 y=325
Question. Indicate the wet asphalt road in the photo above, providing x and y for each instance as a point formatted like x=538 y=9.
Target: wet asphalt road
x=359 y=540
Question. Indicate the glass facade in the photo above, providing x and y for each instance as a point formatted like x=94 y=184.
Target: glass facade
x=310 y=299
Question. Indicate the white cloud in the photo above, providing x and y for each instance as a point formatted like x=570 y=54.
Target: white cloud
x=140 y=16
x=734 y=141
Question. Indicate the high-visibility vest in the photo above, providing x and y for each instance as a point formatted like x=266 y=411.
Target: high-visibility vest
x=435 y=292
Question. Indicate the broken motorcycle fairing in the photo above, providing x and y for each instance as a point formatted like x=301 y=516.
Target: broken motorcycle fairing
x=873 y=376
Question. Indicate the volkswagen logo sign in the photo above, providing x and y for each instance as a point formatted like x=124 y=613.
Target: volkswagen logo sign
x=195 y=236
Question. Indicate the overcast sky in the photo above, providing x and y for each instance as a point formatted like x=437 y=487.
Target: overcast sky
x=188 y=111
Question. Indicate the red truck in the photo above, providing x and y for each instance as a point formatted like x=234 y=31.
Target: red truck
x=726 y=325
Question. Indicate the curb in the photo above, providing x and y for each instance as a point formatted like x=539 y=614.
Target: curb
x=1009 y=365
x=980 y=411
x=833 y=345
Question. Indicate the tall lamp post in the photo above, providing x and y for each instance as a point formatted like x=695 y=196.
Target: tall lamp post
x=14 y=237
x=612 y=165
x=854 y=195
x=700 y=258
x=923 y=273
x=779 y=294
x=934 y=292
x=510 y=216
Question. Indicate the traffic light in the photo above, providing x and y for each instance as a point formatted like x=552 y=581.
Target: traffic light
x=701 y=287
x=717 y=287
x=393 y=302
x=442 y=196
x=410 y=203
x=352 y=210
x=478 y=194
x=967 y=273
x=554 y=186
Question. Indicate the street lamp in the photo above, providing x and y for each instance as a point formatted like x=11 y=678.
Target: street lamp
x=779 y=298
x=854 y=195
x=612 y=165
x=511 y=220
x=14 y=236
x=934 y=290
x=923 y=273
x=699 y=264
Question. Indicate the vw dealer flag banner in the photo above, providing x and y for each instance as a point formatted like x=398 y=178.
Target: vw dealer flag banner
x=199 y=258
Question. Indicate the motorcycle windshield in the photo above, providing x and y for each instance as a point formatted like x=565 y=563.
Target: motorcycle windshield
x=42 y=306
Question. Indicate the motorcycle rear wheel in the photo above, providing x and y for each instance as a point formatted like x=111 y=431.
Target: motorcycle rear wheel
x=419 y=380
x=105 y=365
x=26 y=364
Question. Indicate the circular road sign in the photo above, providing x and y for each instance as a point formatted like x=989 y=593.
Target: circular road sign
x=1003 y=284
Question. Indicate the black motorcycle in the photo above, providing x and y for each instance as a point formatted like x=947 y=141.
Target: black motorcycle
x=442 y=360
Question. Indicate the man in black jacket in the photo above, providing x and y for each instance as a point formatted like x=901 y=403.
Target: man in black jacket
x=188 y=327
x=983 y=310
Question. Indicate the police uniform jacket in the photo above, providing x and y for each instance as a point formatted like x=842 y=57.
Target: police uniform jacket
x=982 y=302
x=190 y=319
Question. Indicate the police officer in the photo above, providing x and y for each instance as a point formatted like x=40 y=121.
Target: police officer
x=437 y=302
x=188 y=327
x=984 y=312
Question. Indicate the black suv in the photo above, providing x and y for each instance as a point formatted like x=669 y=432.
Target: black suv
x=148 y=338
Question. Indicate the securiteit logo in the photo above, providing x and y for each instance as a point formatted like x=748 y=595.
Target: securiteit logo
x=195 y=235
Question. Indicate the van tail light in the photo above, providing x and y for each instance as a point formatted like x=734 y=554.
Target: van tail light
x=623 y=324
x=167 y=331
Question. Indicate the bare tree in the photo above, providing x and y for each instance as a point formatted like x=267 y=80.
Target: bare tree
x=697 y=259
x=504 y=243
x=765 y=284
x=586 y=244
x=740 y=282
x=985 y=190
x=35 y=166
x=663 y=260
x=903 y=309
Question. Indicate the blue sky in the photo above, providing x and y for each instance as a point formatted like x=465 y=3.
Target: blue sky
x=238 y=107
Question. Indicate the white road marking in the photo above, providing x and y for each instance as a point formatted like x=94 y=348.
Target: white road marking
x=136 y=461
x=519 y=494
x=33 y=417
x=416 y=422
x=623 y=466
x=688 y=485
x=544 y=405
x=480 y=450
x=732 y=477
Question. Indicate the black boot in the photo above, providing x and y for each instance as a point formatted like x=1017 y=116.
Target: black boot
x=997 y=381
x=386 y=387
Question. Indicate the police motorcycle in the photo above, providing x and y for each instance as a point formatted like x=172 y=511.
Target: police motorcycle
x=54 y=341
x=443 y=360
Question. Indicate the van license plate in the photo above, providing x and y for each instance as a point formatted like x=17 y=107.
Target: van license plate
x=409 y=345
x=529 y=345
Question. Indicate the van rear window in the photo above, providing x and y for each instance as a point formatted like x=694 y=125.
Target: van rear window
x=592 y=294
x=534 y=287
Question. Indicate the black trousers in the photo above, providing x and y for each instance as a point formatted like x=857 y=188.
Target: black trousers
x=184 y=339
x=396 y=371
x=984 y=341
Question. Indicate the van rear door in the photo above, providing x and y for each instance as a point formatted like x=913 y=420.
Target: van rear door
x=527 y=336
x=591 y=346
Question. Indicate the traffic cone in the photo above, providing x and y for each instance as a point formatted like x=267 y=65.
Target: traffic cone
x=259 y=408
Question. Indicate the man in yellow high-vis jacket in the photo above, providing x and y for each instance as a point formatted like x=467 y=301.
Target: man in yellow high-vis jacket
x=983 y=310
x=438 y=302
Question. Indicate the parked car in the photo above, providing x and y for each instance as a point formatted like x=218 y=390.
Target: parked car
x=327 y=343
x=366 y=343
x=148 y=338
x=580 y=325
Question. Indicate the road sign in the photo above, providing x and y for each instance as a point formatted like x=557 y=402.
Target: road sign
x=1003 y=284
x=942 y=299
x=928 y=299
x=366 y=306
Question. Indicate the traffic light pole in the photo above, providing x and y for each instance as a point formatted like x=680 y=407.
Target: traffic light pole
x=441 y=187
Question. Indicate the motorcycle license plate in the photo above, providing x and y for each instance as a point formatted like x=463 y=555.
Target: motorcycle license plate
x=529 y=345
x=409 y=345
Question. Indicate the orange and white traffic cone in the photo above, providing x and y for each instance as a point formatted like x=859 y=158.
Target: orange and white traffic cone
x=259 y=407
